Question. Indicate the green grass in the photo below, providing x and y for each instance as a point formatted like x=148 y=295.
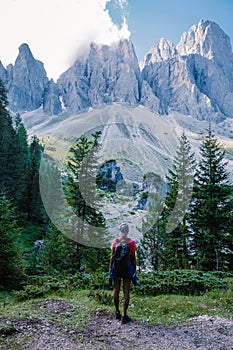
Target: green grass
x=175 y=308
x=162 y=309
x=81 y=307
x=7 y=344
x=171 y=309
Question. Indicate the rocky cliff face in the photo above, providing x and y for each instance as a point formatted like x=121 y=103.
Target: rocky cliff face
x=51 y=101
x=195 y=78
x=104 y=75
x=26 y=81
x=109 y=175
x=210 y=57
x=208 y=40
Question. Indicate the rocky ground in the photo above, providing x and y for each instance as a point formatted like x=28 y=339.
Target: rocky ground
x=104 y=332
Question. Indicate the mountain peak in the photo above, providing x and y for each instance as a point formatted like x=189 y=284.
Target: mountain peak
x=161 y=51
x=123 y=46
x=102 y=75
x=27 y=80
x=206 y=39
x=24 y=51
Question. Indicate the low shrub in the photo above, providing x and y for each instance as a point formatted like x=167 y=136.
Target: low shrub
x=182 y=282
x=30 y=292
x=101 y=296
x=39 y=286
x=99 y=280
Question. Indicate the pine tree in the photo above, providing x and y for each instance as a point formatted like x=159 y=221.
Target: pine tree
x=11 y=269
x=211 y=208
x=60 y=254
x=180 y=182
x=14 y=154
x=229 y=252
x=80 y=188
x=35 y=209
x=153 y=228
x=50 y=185
x=3 y=98
x=7 y=146
x=21 y=165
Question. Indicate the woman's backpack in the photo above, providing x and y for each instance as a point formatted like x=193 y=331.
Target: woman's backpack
x=121 y=259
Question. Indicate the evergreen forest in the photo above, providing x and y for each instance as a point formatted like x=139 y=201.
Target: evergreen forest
x=37 y=258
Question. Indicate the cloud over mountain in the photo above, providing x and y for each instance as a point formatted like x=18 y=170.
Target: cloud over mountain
x=60 y=37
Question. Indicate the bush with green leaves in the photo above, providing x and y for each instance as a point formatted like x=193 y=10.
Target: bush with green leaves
x=179 y=282
x=101 y=296
x=183 y=282
x=30 y=292
x=99 y=280
x=40 y=286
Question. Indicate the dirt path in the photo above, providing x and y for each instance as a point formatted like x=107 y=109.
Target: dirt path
x=104 y=332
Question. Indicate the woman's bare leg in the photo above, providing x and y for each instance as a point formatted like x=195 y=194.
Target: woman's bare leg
x=126 y=289
x=116 y=291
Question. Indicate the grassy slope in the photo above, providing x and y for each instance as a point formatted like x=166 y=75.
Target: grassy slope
x=162 y=309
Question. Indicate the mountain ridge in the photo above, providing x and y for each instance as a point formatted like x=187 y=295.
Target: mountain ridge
x=194 y=78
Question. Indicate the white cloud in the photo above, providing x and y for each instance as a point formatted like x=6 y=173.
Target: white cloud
x=56 y=30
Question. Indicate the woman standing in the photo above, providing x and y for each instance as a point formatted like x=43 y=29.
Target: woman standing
x=122 y=267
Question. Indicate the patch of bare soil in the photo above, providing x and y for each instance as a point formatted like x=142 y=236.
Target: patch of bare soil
x=104 y=332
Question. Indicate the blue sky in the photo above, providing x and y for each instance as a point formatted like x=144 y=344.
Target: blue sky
x=58 y=31
x=149 y=20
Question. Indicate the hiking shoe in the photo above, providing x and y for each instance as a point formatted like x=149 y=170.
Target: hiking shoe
x=125 y=319
x=117 y=315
